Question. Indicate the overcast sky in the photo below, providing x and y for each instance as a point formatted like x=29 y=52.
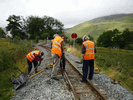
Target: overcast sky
x=69 y=12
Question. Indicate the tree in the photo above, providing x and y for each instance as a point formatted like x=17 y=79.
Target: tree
x=127 y=39
x=52 y=26
x=105 y=39
x=79 y=40
x=33 y=25
x=124 y=39
x=91 y=38
x=14 y=25
x=45 y=35
x=36 y=26
x=115 y=39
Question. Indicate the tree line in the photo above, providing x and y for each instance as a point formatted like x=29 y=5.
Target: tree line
x=116 y=38
x=33 y=27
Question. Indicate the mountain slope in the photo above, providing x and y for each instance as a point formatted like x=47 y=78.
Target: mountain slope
x=97 y=26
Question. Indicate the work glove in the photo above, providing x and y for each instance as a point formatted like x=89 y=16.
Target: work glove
x=39 y=64
x=81 y=61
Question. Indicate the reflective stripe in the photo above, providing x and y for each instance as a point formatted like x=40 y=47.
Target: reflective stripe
x=86 y=45
x=89 y=53
x=88 y=48
x=58 y=42
x=32 y=55
x=56 y=47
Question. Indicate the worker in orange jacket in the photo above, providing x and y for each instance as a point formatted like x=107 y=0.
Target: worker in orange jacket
x=88 y=56
x=56 y=52
x=34 y=57
x=63 y=53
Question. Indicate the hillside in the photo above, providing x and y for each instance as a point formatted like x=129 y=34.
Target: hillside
x=97 y=26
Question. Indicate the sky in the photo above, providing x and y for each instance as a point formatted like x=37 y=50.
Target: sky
x=69 y=12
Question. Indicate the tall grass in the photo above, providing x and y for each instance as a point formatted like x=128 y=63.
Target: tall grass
x=12 y=57
x=117 y=64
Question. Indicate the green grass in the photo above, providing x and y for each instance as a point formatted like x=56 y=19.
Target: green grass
x=107 y=59
x=12 y=58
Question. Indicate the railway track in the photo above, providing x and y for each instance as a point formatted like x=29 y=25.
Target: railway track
x=80 y=90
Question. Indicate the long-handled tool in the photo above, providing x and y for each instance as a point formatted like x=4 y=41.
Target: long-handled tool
x=38 y=64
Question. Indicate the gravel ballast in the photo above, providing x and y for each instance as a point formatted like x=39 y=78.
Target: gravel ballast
x=41 y=87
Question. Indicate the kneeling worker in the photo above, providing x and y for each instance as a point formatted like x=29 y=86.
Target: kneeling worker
x=34 y=57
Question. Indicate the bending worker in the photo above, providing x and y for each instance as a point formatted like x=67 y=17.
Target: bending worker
x=88 y=56
x=34 y=57
x=57 y=49
x=63 y=53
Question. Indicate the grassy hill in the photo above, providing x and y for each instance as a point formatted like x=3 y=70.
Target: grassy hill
x=97 y=26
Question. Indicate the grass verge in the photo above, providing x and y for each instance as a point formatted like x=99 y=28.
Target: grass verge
x=12 y=58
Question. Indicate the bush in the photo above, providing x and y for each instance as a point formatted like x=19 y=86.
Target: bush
x=10 y=53
x=129 y=47
x=36 y=39
x=79 y=40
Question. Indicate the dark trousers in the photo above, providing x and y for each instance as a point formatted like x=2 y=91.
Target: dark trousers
x=87 y=63
x=63 y=60
x=30 y=64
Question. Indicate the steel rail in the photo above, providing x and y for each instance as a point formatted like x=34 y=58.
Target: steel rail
x=71 y=86
x=90 y=84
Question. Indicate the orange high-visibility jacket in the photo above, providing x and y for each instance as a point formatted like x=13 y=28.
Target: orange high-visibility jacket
x=56 y=46
x=52 y=43
x=89 y=47
x=30 y=56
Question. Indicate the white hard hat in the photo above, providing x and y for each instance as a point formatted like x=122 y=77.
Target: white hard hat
x=85 y=37
x=55 y=35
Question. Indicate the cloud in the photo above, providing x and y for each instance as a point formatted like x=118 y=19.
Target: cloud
x=69 y=12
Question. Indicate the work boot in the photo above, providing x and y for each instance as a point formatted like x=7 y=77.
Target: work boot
x=36 y=70
x=89 y=78
x=82 y=81
x=55 y=78
x=28 y=72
